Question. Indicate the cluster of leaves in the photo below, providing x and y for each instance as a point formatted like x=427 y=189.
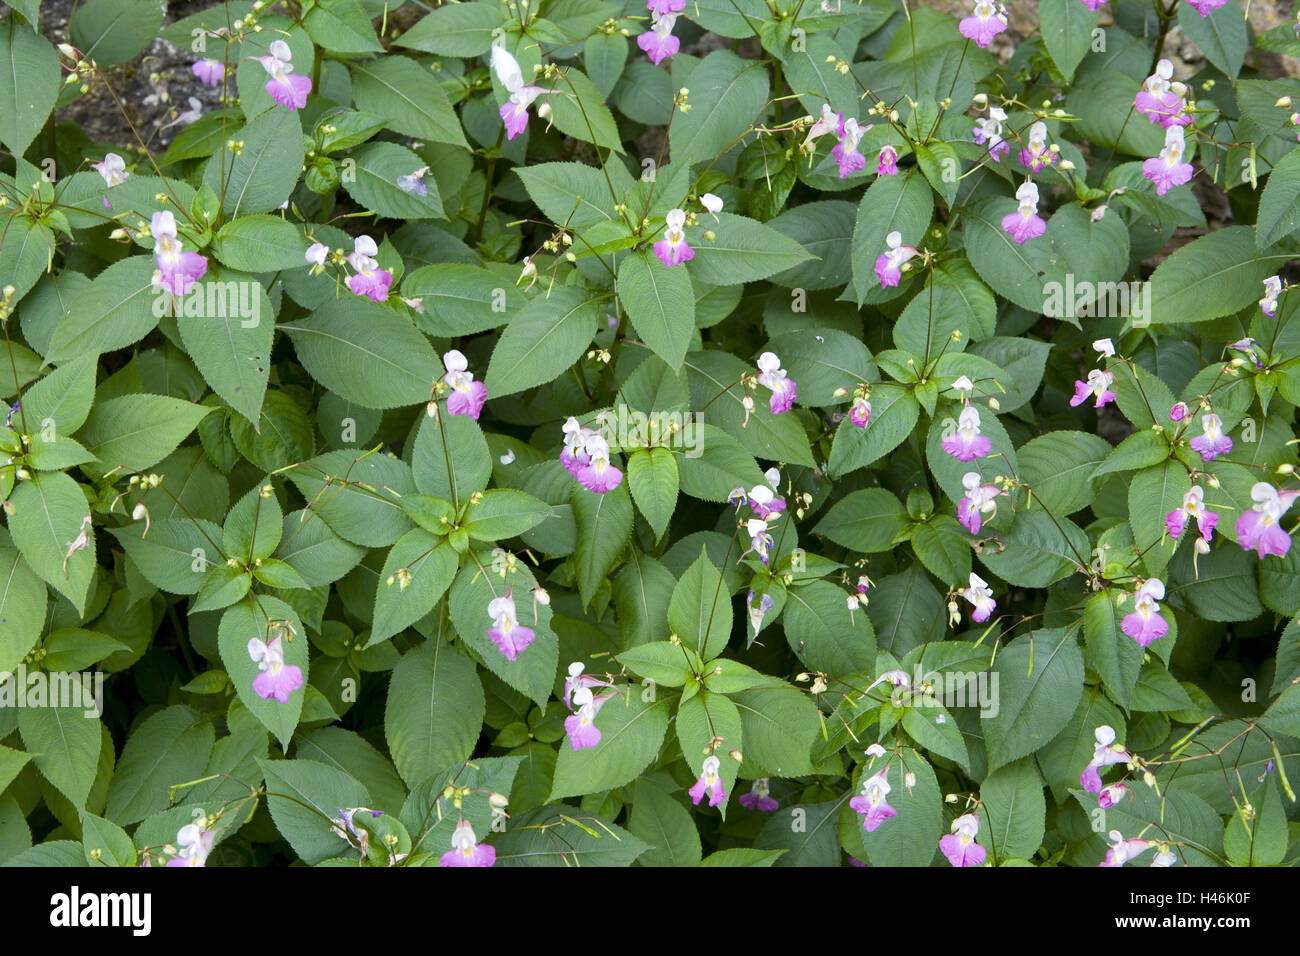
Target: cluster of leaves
x=178 y=481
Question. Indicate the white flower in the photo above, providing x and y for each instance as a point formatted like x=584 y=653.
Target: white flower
x=711 y=202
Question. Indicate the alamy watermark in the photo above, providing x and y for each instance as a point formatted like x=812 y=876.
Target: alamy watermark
x=1084 y=300
x=39 y=688
x=624 y=427
x=213 y=300
x=949 y=689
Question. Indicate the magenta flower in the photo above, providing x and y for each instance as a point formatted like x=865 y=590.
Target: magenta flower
x=846 y=153
x=764 y=503
x=1025 y=223
x=1260 y=527
x=1268 y=304
x=598 y=474
x=1093 y=5
x=1168 y=169
x=177 y=269
x=276 y=680
x=1193 y=507
x=1038 y=155
x=959 y=846
x=1161 y=100
x=581 y=725
x=1251 y=348
x=1203 y=7
x=112 y=169
x=828 y=122
x=889 y=264
x=771 y=375
x=1122 y=850
x=1212 y=442
x=369 y=280
x=673 y=249
x=709 y=783
x=887 y=162
x=1178 y=412
x=466 y=850
x=980 y=595
x=966 y=443
x=871 y=803
x=860 y=413
x=510 y=637
x=757 y=798
x=287 y=88
x=665 y=7
x=514 y=112
x=209 y=71
x=990 y=131
x=987 y=20
x=658 y=43
x=1144 y=624
x=1112 y=795
x=193 y=845
x=1098 y=386
x=467 y=396
x=1105 y=754
x=978 y=501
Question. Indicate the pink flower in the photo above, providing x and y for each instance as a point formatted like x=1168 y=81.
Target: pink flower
x=980 y=595
x=1098 y=385
x=1161 y=100
x=210 y=71
x=764 y=503
x=276 y=679
x=828 y=122
x=113 y=169
x=990 y=131
x=1105 y=754
x=1112 y=795
x=966 y=443
x=1260 y=527
x=286 y=88
x=1268 y=304
x=887 y=162
x=959 y=846
x=193 y=845
x=177 y=270
x=1203 y=7
x=987 y=20
x=1145 y=624
x=846 y=153
x=1168 y=170
x=659 y=43
x=1038 y=155
x=1122 y=850
x=1093 y=5
x=1178 y=412
x=514 y=112
x=860 y=413
x=369 y=280
x=673 y=249
x=665 y=7
x=1193 y=507
x=581 y=725
x=466 y=850
x=1212 y=442
x=889 y=264
x=578 y=680
x=467 y=396
x=978 y=501
x=598 y=474
x=757 y=798
x=871 y=803
x=710 y=783
x=1025 y=223
x=771 y=375
x=511 y=637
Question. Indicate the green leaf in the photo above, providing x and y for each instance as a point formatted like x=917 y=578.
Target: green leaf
x=1013 y=811
x=1279 y=204
x=714 y=378
x=304 y=797
x=260 y=243
x=114 y=31
x=901 y=203
x=29 y=84
x=1115 y=656
x=604 y=528
x=661 y=304
x=460 y=299
x=49 y=513
x=167 y=557
x=867 y=520
x=721 y=465
x=700 y=610
x=451 y=459
x=504 y=513
x=744 y=251
x=172 y=746
x=65 y=746
x=573 y=194
x=105 y=843
x=434 y=712
x=22 y=607
x=244 y=622
x=708 y=724
x=1038 y=550
x=557 y=836
x=136 y=431
x=408 y=97
x=662 y=662
x=631 y=733
x=463 y=29
x=1221 y=36
x=1152 y=494
x=778 y=725
x=115 y=310
x=665 y=825
x=364 y=507
x=943 y=546
x=1041 y=677
x=264 y=173
x=1214 y=275
x=894 y=412
x=578 y=110
x=819 y=629
x=342 y=27
x=375 y=186
x=652 y=478
x=1067 y=27
x=727 y=94
x=1059 y=469
x=366 y=353
x=545 y=338
x=823 y=360
x=431 y=566
x=231 y=347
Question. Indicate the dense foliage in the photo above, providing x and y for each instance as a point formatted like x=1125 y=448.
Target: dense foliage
x=583 y=431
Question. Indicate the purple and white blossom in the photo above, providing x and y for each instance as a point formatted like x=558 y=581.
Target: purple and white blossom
x=658 y=43
x=368 y=279
x=177 y=269
x=978 y=501
x=959 y=846
x=845 y=153
x=966 y=443
x=510 y=637
x=1106 y=753
x=710 y=782
x=466 y=850
x=673 y=249
x=514 y=111
x=771 y=375
x=1168 y=169
x=1212 y=442
x=1145 y=624
x=1268 y=304
x=987 y=20
x=989 y=131
x=1193 y=507
x=287 y=88
x=872 y=804
x=467 y=396
x=1161 y=99
x=759 y=797
x=889 y=264
x=1037 y=154
x=1025 y=223
x=276 y=680
x=209 y=71
x=193 y=845
x=1260 y=528
x=980 y=595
